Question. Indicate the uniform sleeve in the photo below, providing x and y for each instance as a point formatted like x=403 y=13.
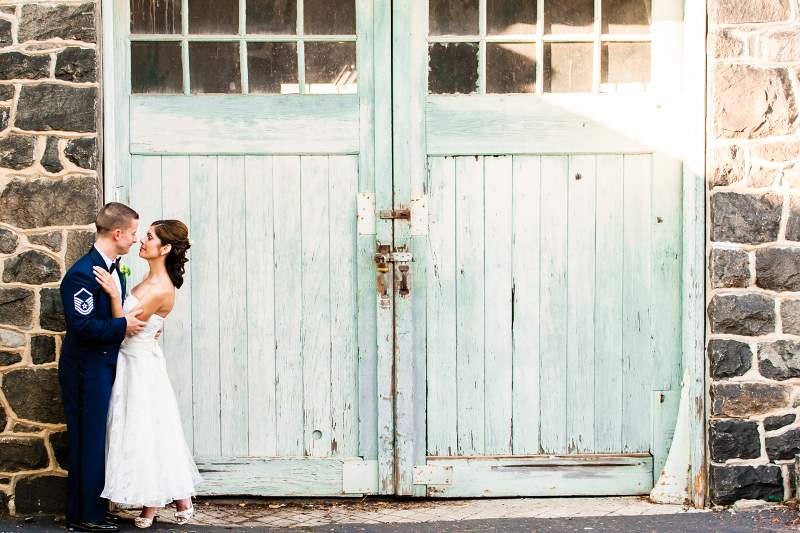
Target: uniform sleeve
x=78 y=294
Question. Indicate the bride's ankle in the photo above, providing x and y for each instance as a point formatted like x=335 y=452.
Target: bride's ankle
x=183 y=505
x=148 y=512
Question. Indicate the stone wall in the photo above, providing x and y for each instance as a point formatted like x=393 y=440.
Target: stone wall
x=754 y=249
x=49 y=192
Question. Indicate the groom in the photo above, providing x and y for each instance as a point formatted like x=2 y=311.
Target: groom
x=88 y=362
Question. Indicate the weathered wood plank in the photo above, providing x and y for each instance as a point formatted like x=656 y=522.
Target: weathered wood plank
x=178 y=328
x=261 y=376
x=580 y=302
x=146 y=196
x=553 y=322
x=205 y=303
x=637 y=299
x=441 y=306
x=233 y=248
x=343 y=191
x=288 y=270
x=608 y=307
x=525 y=265
x=498 y=181
x=316 y=298
x=470 y=298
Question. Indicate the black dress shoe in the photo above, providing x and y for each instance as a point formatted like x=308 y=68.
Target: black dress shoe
x=112 y=518
x=91 y=526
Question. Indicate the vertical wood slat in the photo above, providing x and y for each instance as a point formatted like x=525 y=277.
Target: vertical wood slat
x=470 y=304
x=260 y=216
x=580 y=302
x=342 y=191
x=498 y=253
x=288 y=281
x=441 y=309
x=525 y=258
x=608 y=305
x=205 y=306
x=315 y=295
x=233 y=250
x=177 y=336
x=637 y=362
x=553 y=323
x=145 y=195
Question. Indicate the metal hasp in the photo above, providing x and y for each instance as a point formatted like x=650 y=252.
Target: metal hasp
x=390 y=214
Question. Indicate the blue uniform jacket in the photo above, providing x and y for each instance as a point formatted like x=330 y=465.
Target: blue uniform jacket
x=92 y=334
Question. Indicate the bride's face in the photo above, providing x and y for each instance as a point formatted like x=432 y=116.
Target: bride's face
x=151 y=247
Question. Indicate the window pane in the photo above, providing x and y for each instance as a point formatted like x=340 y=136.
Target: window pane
x=272 y=67
x=329 y=17
x=330 y=68
x=271 y=16
x=214 y=16
x=568 y=16
x=156 y=16
x=568 y=67
x=626 y=16
x=453 y=17
x=214 y=68
x=510 y=67
x=626 y=62
x=504 y=17
x=156 y=68
x=452 y=68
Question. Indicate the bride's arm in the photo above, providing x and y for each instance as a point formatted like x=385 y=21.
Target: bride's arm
x=151 y=303
x=107 y=283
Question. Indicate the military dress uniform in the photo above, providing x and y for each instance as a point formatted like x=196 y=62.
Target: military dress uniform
x=86 y=369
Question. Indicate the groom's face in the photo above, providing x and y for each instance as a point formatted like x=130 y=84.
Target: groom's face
x=126 y=237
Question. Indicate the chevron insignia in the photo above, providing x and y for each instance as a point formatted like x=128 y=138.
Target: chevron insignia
x=84 y=302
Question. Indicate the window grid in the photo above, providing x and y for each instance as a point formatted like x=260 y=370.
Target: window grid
x=242 y=37
x=596 y=37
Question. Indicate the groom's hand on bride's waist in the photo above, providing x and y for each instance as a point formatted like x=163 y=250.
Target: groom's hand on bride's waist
x=134 y=324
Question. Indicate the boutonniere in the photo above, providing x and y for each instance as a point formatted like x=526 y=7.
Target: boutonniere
x=125 y=270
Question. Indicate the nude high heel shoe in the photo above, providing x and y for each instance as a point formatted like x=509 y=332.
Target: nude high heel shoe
x=183 y=517
x=144 y=523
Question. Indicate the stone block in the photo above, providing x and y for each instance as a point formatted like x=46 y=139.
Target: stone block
x=43 y=494
x=779 y=359
x=776 y=152
x=38 y=203
x=8 y=241
x=50 y=160
x=17 y=66
x=746 y=314
x=738 y=12
x=16 y=151
x=34 y=394
x=731 y=483
x=60 y=444
x=51 y=310
x=3 y=418
x=9 y=358
x=780 y=46
x=785 y=446
x=724 y=44
x=734 y=439
x=763 y=176
x=43 y=349
x=778 y=269
x=791 y=177
x=22 y=453
x=6 y=92
x=19 y=427
x=52 y=240
x=6 y=37
x=725 y=166
x=738 y=400
x=32 y=267
x=729 y=358
x=771 y=423
x=77 y=64
x=752 y=102
x=745 y=218
x=5 y=117
x=82 y=152
x=79 y=243
x=11 y=339
x=793 y=222
x=52 y=21
x=16 y=306
x=790 y=316
x=729 y=268
x=49 y=107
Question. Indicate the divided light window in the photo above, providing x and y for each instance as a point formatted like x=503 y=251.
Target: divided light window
x=243 y=46
x=544 y=46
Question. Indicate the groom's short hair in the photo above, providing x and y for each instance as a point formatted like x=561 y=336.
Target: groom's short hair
x=114 y=215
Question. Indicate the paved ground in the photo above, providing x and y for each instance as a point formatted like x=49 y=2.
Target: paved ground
x=467 y=516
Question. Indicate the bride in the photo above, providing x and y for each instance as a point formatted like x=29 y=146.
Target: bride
x=147 y=460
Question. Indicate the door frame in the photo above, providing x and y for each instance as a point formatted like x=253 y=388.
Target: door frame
x=399 y=408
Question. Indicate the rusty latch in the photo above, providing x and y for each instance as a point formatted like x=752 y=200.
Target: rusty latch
x=389 y=214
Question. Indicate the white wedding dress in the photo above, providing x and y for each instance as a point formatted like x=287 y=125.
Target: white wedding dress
x=147 y=459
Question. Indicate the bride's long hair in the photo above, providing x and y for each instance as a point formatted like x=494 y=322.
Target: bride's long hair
x=175 y=233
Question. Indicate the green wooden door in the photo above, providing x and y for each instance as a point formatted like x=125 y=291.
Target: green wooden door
x=254 y=122
x=538 y=349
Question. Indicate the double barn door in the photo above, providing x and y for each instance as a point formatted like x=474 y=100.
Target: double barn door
x=435 y=244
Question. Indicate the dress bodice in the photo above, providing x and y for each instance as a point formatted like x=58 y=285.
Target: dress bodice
x=154 y=323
